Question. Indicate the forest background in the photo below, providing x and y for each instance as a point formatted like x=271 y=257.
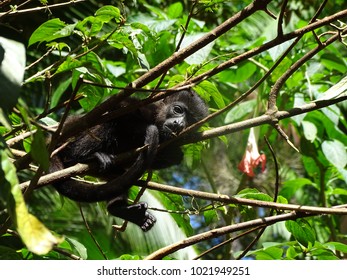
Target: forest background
x=264 y=178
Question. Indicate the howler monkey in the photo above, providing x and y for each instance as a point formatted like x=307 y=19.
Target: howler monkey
x=149 y=125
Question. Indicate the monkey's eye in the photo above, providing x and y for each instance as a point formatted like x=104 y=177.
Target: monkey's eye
x=178 y=110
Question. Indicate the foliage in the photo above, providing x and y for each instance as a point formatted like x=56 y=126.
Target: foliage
x=251 y=74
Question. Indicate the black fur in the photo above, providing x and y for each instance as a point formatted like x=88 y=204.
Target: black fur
x=149 y=125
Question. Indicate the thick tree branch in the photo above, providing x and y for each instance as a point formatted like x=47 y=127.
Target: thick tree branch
x=93 y=117
x=161 y=253
x=216 y=132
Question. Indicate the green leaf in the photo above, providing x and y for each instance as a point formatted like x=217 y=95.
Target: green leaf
x=39 y=150
x=129 y=257
x=208 y=90
x=192 y=154
x=175 y=10
x=120 y=40
x=335 y=91
x=323 y=254
x=80 y=248
x=289 y=188
x=91 y=26
x=51 y=30
x=335 y=152
x=69 y=64
x=240 y=111
x=310 y=130
x=292 y=253
x=238 y=75
x=336 y=246
x=7 y=253
x=108 y=12
x=302 y=232
x=59 y=91
x=272 y=253
x=210 y=216
x=254 y=194
x=143 y=27
x=202 y=54
x=333 y=63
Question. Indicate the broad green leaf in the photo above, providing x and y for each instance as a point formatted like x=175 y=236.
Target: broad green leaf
x=323 y=254
x=238 y=74
x=310 y=130
x=175 y=10
x=176 y=79
x=59 y=91
x=335 y=152
x=202 y=54
x=292 y=253
x=289 y=188
x=335 y=91
x=333 y=62
x=69 y=64
x=336 y=246
x=59 y=46
x=302 y=232
x=51 y=30
x=121 y=40
x=210 y=216
x=208 y=90
x=272 y=253
x=143 y=27
x=240 y=111
x=8 y=253
x=192 y=154
x=79 y=247
x=338 y=191
x=108 y=12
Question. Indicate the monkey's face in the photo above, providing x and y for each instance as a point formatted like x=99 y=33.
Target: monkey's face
x=175 y=120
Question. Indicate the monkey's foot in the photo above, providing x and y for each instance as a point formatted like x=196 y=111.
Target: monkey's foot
x=135 y=213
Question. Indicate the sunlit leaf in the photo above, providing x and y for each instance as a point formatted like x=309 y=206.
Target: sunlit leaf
x=254 y=194
x=33 y=233
x=108 y=12
x=335 y=152
x=310 y=130
x=51 y=30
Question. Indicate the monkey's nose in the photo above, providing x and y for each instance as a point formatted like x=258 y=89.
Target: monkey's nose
x=176 y=126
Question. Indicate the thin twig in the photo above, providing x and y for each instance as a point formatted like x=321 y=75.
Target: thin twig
x=161 y=253
x=37 y=9
x=91 y=233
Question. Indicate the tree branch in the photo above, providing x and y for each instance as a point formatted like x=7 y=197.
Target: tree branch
x=79 y=169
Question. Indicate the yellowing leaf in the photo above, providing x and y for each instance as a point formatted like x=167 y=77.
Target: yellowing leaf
x=34 y=234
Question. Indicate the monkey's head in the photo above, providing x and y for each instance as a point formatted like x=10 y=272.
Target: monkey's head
x=179 y=111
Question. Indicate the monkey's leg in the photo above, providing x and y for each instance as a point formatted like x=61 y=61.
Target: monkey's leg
x=135 y=213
